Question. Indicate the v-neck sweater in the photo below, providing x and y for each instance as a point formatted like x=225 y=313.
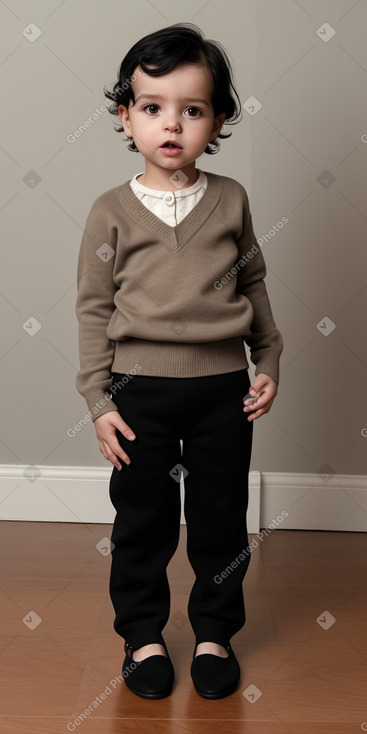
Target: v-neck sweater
x=166 y=301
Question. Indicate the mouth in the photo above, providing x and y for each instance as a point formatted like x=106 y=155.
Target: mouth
x=171 y=145
x=171 y=149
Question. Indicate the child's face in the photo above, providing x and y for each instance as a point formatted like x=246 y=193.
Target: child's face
x=177 y=107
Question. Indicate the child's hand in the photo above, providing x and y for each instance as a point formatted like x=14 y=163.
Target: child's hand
x=264 y=391
x=105 y=426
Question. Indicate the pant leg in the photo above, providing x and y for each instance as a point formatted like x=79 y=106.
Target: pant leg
x=217 y=443
x=148 y=507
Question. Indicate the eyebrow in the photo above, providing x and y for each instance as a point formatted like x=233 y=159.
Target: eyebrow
x=159 y=96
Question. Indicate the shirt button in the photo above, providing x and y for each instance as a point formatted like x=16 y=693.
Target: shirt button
x=169 y=198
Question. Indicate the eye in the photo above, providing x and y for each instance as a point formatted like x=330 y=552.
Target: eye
x=149 y=106
x=196 y=110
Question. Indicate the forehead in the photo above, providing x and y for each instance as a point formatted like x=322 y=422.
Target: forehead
x=183 y=81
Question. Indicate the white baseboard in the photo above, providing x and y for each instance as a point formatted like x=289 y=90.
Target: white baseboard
x=315 y=502
x=81 y=494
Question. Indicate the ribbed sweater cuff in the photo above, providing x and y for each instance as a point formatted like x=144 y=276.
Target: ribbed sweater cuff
x=268 y=367
x=98 y=402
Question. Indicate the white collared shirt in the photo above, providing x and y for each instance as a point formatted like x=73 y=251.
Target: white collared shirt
x=170 y=206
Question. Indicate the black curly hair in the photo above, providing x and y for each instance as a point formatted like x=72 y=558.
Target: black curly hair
x=165 y=49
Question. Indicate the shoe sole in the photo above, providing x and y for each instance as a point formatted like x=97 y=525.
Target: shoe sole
x=213 y=696
x=162 y=694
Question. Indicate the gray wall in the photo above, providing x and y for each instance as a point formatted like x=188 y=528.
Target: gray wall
x=313 y=119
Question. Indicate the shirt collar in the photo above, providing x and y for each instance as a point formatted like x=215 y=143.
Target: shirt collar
x=137 y=186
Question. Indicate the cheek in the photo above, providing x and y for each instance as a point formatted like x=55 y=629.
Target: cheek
x=198 y=128
x=146 y=125
x=207 y=127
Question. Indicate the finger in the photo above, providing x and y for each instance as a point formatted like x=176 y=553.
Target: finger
x=251 y=397
x=103 y=447
x=254 y=397
x=112 y=452
x=119 y=451
x=261 y=411
x=114 y=460
x=252 y=405
x=257 y=388
x=127 y=431
x=264 y=408
x=253 y=416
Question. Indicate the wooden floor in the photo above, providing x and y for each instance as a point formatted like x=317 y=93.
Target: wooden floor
x=298 y=675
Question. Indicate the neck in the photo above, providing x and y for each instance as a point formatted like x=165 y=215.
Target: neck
x=169 y=180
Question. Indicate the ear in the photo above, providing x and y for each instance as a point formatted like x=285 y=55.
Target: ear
x=123 y=113
x=217 y=126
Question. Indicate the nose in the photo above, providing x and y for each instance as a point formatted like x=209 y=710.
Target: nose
x=171 y=122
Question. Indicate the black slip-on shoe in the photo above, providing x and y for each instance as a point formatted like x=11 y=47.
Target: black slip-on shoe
x=149 y=678
x=213 y=676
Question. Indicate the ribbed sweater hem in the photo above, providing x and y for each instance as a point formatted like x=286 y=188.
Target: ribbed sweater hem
x=179 y=359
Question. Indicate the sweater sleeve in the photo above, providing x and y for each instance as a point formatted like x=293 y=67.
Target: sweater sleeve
x=94 y=307
x=265 y=340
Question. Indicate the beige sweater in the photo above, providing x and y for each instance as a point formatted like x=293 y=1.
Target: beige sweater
x=171 y=301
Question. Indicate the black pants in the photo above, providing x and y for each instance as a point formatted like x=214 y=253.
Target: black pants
x=206 y=413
